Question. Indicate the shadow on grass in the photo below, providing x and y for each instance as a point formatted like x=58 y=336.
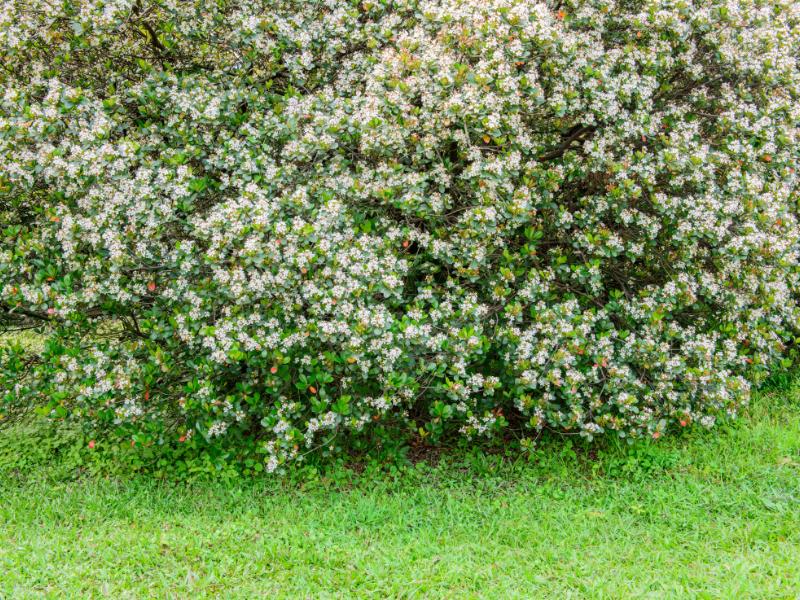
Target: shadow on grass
x=766 y=435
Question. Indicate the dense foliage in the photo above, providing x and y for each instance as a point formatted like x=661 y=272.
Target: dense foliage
x=263 y=225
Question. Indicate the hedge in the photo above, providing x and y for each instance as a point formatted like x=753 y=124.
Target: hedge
x=272 y=226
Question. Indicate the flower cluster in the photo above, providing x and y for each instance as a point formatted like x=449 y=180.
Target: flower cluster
x=275 y=223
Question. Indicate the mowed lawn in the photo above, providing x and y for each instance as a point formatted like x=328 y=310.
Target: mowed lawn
x=706 y=515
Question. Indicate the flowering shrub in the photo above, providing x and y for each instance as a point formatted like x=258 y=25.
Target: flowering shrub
x=264 y=225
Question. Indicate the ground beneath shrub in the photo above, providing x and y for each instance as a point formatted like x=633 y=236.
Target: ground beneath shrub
x=713 y=516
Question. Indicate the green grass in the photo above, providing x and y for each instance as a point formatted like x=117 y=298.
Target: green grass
x=702 y=516
x=30 y=340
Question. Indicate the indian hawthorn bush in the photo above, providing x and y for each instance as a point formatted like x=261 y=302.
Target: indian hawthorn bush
x=262 y=225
